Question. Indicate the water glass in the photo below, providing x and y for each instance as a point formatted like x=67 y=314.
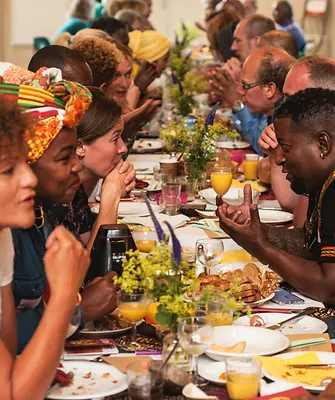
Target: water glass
x=255 y=196
x=243 y=376
x=195 y=336
x=209 y=252
x=250 y=165
x=188 y=186
x=145 y=380
x=171 y=197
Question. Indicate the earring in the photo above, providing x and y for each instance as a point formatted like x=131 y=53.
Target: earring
x=322 y=155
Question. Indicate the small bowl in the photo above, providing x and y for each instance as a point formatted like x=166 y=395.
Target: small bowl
x=145 y=240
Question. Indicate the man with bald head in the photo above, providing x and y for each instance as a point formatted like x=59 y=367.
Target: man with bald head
x=308 y=72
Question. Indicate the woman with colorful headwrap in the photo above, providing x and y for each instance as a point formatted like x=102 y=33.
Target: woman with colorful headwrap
x=150 y=46
x=53 y=160
x=66 y=263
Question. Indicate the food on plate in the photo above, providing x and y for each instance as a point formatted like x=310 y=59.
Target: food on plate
x=254 y=284
x=223 y=376
x=256 y=320
x=239 y=347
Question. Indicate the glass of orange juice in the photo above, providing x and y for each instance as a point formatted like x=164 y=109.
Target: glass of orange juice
x=221 y=179
x=145 y=240
x=133 y=307
x=250 y=164
x=243 y=376
x=218 y=312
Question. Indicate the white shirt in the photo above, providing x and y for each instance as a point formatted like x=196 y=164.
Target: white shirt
x=6 y=259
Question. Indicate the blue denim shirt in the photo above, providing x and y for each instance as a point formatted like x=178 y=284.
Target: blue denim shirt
x=29 y=279
x=251 y=125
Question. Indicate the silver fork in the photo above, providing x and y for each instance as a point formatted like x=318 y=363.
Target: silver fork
x=278 y=325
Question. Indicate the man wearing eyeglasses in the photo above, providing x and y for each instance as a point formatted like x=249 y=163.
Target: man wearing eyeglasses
x=262 y=79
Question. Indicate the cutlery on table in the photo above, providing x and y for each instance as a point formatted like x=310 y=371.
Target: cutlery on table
x=278 y=325
x=311 y=365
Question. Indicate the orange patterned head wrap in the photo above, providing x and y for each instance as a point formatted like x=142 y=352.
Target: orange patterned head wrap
x=54 y=102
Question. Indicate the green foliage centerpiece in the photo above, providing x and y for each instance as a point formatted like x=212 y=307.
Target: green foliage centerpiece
x=198 y=143
x=185 y=83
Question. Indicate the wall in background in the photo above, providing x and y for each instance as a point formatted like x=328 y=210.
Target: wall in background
x=50 y=15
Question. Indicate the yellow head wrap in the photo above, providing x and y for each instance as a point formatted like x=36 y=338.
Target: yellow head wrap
x=148 y=45
x=53 y=102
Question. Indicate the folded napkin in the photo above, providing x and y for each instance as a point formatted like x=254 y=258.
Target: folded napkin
x=282 y=390
x=121 y=363
x=192 y=392
x=307 y=342
x=175 y=220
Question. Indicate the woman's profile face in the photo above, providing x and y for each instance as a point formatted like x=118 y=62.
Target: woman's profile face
x=161 y=64
x=17 y=188
x=118 y=88
x=102 y=155
x=58 y=169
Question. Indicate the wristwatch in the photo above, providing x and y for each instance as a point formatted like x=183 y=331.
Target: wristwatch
x=238 y=106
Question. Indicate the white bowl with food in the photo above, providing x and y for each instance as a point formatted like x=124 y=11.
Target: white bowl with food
x=245 y=341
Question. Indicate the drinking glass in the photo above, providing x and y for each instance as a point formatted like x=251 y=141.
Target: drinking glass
x=74 y=322
x=133 y=307
x=250 y=164
x=145 y=380
x=195 y=336
x=221 y=179
x=188 y=186
x=209 y=252
x=219 y=313
x=243 y=376
x=171 y=197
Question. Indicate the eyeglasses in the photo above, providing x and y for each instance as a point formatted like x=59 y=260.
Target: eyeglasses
x=247 y=86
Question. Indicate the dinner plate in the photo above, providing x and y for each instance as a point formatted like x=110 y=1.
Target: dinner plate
x=147 y=146
x=212 y=371
x=144 y=167
x=274 y=216
x=259 y=341
x=130 y=208
x=231 y=196
x=231 y=144
x=306 y=324
x=90 y=333
x=90 y=381
x=325 y=358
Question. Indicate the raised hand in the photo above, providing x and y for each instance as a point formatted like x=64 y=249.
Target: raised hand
x=222 y=83
x=146 y=74
x=268 y=140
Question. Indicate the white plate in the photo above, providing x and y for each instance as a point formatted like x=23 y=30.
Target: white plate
x=230 y=197
x=259 y=341
x=130 y=208
x=325 y=358
x=306 y=324
x=103 y=386
x=145 y=167
x=275 y=217
x=230 y=144
x=147 y=145
x=212 y=371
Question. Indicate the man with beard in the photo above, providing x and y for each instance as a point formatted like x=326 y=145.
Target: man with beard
x=305 y=130
x=308 y=72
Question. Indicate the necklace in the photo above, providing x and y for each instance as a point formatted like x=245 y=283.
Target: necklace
x=40 y=217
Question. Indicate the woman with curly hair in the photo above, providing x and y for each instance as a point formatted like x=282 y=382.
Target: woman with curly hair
x=81 y=15
x=65 y=261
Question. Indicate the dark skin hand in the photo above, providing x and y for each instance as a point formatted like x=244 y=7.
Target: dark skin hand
x=146 y=74
x=100 y=297
x=243 y=224
x=134 y=120
x=223 y=85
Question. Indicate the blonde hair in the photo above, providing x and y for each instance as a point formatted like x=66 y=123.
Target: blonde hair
x=67 y=40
